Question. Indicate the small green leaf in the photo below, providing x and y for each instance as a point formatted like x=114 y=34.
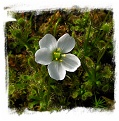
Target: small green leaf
x=34 y=38
x=105 y=88
x=88 y=94
x=53 y=87
x=42 y=105
x=89 y=62
x=84 y=97
x=20 y=86
x=11 y=89
x=21 y=22
x=88 y=85
x=107 y=72
x=31 y=105
x=75 y=94
x=80 y=53
x=17 y=33
x=106 y=27
x=98 y=67
x=100 y=44
x=31 y=62
x=98 y=83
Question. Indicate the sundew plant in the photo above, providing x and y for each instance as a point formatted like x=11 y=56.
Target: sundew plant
x=60 y=59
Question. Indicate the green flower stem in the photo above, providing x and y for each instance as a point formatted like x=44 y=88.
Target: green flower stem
x=86 y=40
x=85 y=67
x=98 y=60
x=94 y=76
x=55 y=27
x=91 y=72
x=48 y=94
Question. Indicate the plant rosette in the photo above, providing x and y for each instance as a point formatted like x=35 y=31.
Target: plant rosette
x=56 y=55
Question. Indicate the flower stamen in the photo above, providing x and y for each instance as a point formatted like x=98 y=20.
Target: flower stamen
x=63 y=55
x=55 y=53
x=56 y=59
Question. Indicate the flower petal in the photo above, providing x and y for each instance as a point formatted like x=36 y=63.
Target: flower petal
x=43 y=56
x=56 y=70
x=48 y=41
x=70 y=62
x=66 y=43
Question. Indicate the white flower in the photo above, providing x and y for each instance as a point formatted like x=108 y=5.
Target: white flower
x=52 y=53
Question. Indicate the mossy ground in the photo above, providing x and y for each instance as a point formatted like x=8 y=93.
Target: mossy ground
x=91 y=85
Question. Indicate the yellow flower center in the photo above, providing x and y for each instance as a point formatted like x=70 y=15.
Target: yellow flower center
x=57 y=55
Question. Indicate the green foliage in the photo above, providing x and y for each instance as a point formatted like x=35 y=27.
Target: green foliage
x=30 y=85
x=106 y=27
x=86 y=95
x=99 y=103
x=21 y=22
